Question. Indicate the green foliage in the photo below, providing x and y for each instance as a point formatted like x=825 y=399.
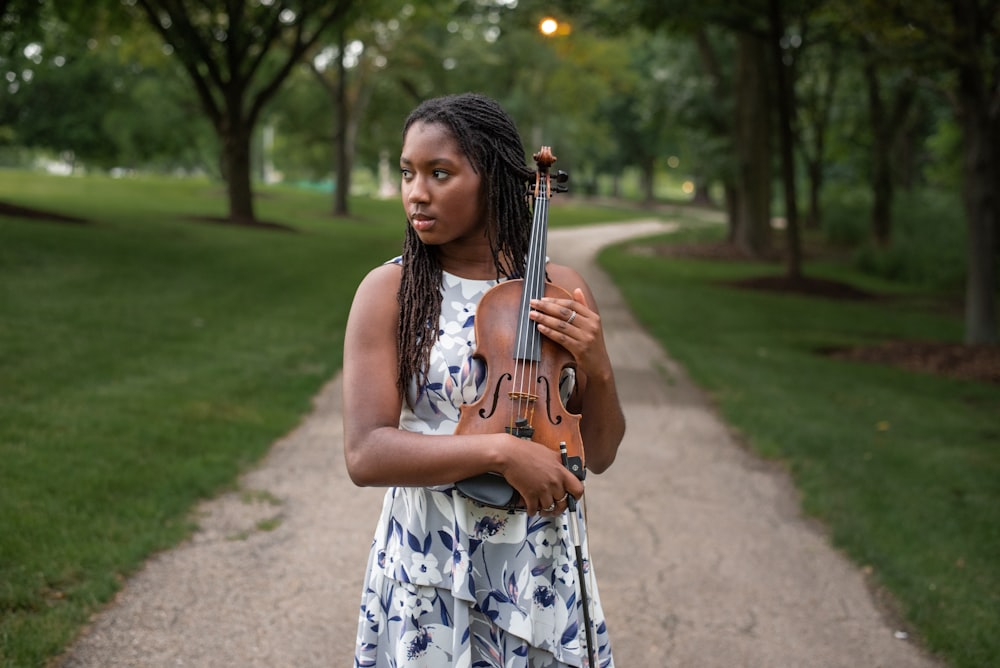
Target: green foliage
x=846 y=216
x=928 y=246
x=928 y=236
x=901 y=466
x=944 y=168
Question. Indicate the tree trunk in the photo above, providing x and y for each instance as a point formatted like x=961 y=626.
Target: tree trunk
x=648 y=180
x=881 y=177
x=815 y=153
x=882 y=194
x=752 y=141
x=981 y=171
x=733 y=205
x=702 y=196
x=886 y=125
x=786 y=105
x=977 y=97
x=236 y=168
x=343 y=184
x=814 y=169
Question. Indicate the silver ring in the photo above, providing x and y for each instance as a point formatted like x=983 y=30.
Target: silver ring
x=565 y=496
x=571 y=317
x=550 y=508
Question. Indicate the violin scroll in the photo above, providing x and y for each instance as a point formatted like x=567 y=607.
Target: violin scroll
x=544 y=160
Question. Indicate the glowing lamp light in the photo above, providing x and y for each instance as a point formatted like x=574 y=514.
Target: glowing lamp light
x=548 y=26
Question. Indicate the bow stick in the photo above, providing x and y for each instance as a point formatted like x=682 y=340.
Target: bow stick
x=575 y=532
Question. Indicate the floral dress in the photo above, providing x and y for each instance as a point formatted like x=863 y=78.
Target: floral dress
x=452 y=583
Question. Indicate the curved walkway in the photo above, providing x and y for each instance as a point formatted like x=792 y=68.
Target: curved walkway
x=702 y=556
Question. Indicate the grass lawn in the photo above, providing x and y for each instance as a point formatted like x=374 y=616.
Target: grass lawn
x=147 y=358
x=903 y=467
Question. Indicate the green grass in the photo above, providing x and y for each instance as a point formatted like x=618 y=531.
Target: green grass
x=145 y=360
x=902 y=467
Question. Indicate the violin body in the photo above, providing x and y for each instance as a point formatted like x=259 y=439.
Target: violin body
x=524 y=368
x=520 y=398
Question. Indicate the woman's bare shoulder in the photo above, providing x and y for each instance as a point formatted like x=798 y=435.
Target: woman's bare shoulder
x=565 y=277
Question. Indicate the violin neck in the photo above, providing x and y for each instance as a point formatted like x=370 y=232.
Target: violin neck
x=528 y=345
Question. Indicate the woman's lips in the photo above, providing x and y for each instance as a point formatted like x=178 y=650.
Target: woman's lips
x=421 y=222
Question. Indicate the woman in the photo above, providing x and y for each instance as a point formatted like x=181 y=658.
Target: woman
x=451 y=582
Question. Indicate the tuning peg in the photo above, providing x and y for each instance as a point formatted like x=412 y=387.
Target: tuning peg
x=560 y=182
x=561 y=179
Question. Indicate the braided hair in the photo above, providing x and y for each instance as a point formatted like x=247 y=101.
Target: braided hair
x=488 y=137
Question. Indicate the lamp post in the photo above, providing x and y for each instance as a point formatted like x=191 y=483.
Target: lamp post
x=548 y=27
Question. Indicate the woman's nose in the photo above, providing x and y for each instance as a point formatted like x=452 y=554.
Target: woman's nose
x=415 y=191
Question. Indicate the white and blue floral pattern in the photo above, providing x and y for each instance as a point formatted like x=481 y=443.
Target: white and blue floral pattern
x=451 y=583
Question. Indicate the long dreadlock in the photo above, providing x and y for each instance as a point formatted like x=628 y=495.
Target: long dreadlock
x=489 y=139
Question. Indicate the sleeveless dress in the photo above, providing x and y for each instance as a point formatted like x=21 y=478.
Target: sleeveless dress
x=452 y=583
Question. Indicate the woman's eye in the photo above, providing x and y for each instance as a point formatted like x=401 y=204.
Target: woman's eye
x=440 y=174
x=404 y=172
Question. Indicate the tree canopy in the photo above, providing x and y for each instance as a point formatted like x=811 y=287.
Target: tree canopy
x=755 y=106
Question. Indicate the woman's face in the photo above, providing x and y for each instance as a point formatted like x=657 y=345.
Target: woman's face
x=440 y=189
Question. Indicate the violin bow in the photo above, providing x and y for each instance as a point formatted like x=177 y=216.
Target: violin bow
x=576 y=530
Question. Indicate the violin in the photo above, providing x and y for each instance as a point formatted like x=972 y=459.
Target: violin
x=523 y=367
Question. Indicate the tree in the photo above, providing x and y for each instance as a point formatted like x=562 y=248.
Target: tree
x=818 y=79
x=748 y=93
x=347 y=72
x=889 y=103
x=237 y=55
x=751 y=229
x=963 y=38
x=48 y=65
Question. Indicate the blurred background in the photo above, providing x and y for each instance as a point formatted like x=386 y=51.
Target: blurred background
x=190 y=190
x=766 y=110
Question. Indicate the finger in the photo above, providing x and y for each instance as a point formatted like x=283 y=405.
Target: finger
x=558 y=317
x=558 y=308
x=551 y=325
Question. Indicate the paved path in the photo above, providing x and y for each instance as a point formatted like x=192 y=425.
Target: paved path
x=701 y=554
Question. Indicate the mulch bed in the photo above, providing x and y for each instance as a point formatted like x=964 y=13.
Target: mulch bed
x=955 y=360
x=13 y=210
x=7 y=209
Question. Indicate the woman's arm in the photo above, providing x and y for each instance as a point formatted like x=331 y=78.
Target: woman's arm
x=602 y=423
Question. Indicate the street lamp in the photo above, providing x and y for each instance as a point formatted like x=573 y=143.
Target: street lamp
x=551 y=27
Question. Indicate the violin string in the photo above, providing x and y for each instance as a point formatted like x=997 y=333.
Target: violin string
x=538 y=288
x=534 y=266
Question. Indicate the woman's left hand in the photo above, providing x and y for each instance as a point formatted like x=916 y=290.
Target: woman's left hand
x=576 y=327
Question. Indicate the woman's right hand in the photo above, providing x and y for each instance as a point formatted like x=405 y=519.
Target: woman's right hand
x=538 y=474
